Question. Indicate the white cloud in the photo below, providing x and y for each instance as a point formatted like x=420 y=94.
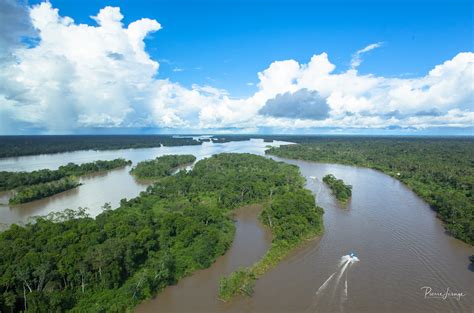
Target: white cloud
x=81 y=75
x=357 y=57
x=101 y=76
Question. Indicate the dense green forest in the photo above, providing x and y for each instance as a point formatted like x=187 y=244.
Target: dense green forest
x=30 y=145
x=292 y=217
x=342 y=191
x=439 y=170
x=43 y=183
x=12 y=180
x=70 y=262
x=11 y=146
x=40 y=191
x=161 y=166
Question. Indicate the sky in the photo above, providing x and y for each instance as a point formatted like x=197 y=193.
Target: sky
x=309 y=67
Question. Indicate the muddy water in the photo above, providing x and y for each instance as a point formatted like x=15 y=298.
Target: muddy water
x=197 y=293
x=108 y=187
x=402 y=248
x=401 y=245
x=92 y=194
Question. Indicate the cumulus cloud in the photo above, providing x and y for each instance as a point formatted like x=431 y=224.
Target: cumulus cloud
x=303 y=104
x=79 y=75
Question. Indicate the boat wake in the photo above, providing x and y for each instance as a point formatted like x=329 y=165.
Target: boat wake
x=332 y=290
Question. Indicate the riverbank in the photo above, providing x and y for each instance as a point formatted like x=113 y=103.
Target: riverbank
x=161 y=166
x=292 y=218
x=401 y=247
x=400 y=243
x=341 y=191
x=111 y=186
x=198 y=292
x=40 y=184
x=438 y=170
x=242 y=281
x=124 y=256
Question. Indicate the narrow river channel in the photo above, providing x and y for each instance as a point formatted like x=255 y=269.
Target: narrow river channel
x=401 y=244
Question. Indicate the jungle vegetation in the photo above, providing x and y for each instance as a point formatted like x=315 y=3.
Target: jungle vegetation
x=43 y=183
x=161 y=166
x=342 y=191
x=68 y=261
x=11 y=146
x=32 y=145
x=293 y=217
x=440 y=170
x=40 y=191
x=12 y=180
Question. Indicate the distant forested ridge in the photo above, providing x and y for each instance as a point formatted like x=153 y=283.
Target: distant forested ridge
x=70 y=262
x=31 y=145
x=161 y=166
x=440 y=170
x=43 y=183
x=342 y=191
x=11 y=146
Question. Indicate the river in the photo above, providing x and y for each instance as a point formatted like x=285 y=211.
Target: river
x=100 y=188
x=401 y=244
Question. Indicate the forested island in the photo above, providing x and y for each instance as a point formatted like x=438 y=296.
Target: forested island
x=342 y=191
x=69 y=261
x=43 y=183
x=43 y=190
x=439 y=170
x=161 y=166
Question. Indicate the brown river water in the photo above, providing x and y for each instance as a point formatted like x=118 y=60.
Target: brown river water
x=401 y=245
x=100 y=188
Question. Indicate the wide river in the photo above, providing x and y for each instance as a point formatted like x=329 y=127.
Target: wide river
x=402 y=247
x=100 y=188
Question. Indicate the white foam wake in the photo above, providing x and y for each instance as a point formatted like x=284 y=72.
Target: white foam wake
x=324 y=285
x=348 y=258
x=324 y=297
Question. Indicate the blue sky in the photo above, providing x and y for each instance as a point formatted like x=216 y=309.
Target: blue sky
x=224 y=45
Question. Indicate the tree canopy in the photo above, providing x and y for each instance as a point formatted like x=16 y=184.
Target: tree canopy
x=161 y=166
x=40 y=191
x=342 y=191
x=440 y=170
x=40 y=184
x=12 y=180
x=68 y=261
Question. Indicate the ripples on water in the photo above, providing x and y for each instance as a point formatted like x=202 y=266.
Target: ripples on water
x=401 y=244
